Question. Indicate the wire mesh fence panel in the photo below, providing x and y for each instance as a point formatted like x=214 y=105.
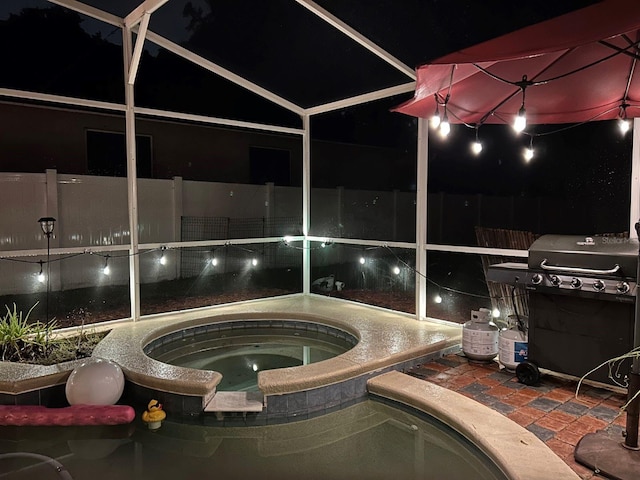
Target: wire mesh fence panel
x=193 y=259
x=236 y=257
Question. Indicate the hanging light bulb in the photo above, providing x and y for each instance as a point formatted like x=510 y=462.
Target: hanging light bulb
x=445 y=126
x=623 y=123
x=41 y=276
x=362 y=260
x=396 y=270
x=106 y=270
x=162 y=260
x=214 y=261
x=528 y=152
x=476 y=147
x=254 y=261
x=435 y=119
x=437 y=298
x=495 y=313
x=520 y=122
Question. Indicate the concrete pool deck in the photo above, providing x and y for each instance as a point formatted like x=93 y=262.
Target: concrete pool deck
x=384 y=338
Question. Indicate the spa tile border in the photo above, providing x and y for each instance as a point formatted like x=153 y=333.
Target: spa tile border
x=239 y=325
x=303 y=405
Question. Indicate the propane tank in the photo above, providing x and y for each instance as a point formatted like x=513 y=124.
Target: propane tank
x=480 y=336
x=513 y=342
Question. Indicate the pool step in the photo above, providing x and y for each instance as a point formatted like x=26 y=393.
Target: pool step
x=235 y=402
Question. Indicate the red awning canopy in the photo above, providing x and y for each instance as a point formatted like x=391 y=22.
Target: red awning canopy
x=579 y=67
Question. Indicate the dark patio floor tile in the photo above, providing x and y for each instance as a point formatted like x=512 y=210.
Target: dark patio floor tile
x=544 y=404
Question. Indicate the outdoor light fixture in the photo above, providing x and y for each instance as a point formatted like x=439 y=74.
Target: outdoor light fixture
x=47 y=224
x=435 y=120
x=214 y=261
x=396 y=270
x=362 y=260
x=106 y=270
x=437 y=298
x=520 y=122
x=476 y=147
x=528 y=152
x=254 y=261
x=623 y=122
x=162 y=260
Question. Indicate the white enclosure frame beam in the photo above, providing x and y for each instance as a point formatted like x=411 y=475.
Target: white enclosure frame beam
x=306 y=202
x=137 y=51
x=360 y=99
x=421 y=219
x=146 y=8
x=634 y=210
x=90 y=11
x=357 y=37
x=45 y=97
x=223 y=72
x=132 y=178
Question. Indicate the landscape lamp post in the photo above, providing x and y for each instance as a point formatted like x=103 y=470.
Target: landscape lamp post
x=47 y=224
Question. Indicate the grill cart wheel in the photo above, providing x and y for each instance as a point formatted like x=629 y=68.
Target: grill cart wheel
x=528 y=373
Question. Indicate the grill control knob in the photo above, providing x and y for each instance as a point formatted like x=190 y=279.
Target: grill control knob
x=622 y=287
x=598 y=285
x=576 y=283
x=536 y=279
x=556 y=280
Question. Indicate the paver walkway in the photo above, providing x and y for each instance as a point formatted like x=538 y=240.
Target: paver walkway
x=550 y=409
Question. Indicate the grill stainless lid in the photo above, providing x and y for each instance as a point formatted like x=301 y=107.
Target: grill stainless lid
x=609 y=256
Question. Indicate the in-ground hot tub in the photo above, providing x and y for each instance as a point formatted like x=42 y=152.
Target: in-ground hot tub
x=240 y=349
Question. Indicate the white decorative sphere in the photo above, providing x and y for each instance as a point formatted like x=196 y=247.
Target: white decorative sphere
x=95 y=382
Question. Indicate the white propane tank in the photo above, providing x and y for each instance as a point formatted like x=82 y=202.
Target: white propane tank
x=513 y=343
x=480 y=336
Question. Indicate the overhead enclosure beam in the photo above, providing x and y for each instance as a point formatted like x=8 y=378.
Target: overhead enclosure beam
x=360 y=99
x=137 y=51
x=358 y=37
x=137 y=15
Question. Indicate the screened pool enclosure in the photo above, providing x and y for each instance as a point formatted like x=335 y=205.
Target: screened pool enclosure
x=194 y=153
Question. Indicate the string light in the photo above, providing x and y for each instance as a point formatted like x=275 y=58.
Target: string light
x=396 y=270
x=163 y=259
x=254 y=261
x=438 y=298
x=528 y=152
x=435 y=119
x=520 y=122
x=623 y=122
x=41 y=276
x=106 y=270
x=476 y=147
x=495 y=313
x=445 y=126
x=362 y=260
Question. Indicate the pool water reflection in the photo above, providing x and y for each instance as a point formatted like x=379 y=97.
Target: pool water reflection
x=369 y=440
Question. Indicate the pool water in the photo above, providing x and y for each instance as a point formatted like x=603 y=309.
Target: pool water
x=369 y=440
x=240 y=354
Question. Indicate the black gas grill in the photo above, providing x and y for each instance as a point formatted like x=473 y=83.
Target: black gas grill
x=581 y=301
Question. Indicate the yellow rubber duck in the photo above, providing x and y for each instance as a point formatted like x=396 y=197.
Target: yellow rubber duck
x=154 y=415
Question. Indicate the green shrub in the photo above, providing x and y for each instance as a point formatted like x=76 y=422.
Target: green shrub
x=21 y=340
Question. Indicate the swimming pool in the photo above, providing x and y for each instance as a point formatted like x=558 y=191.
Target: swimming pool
x=241 y=349
x=368 y=440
